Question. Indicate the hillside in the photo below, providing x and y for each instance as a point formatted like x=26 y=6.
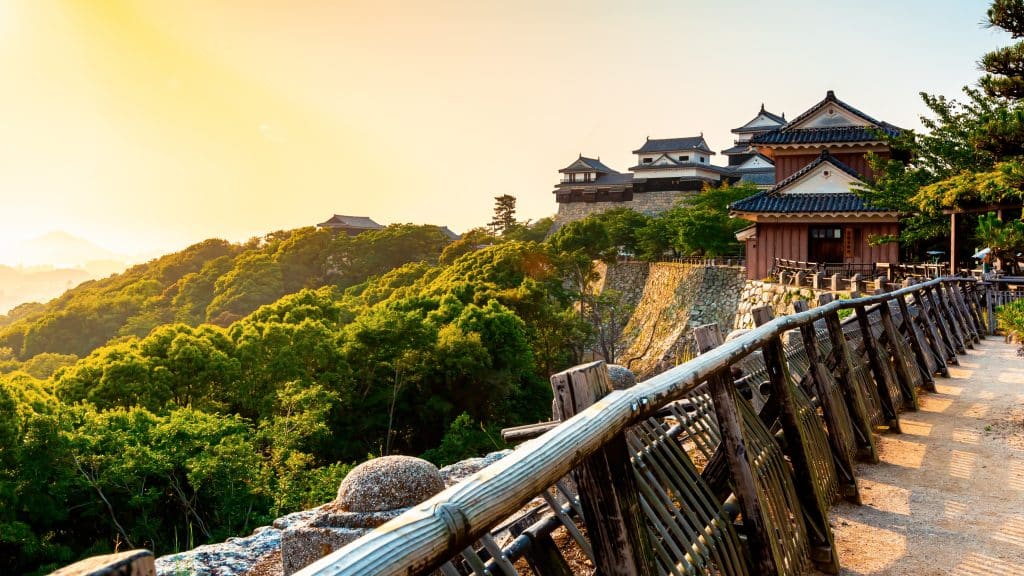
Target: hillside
x=176 y=426
x=214 y=281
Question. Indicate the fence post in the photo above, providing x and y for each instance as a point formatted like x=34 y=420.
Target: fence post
x=939 y=317
x=823 y=549
x=990 y=293
x=836 y=281
x=854 y=399
x=956 y=292
x=959 y=321
x=855 y=283
x=881 y=377
x=608 y=492
x=836 y=415
x=900 y=361
x=723 y=392
x=970 y=294
x=951 y=319
x=927 y=373
x=931 y=331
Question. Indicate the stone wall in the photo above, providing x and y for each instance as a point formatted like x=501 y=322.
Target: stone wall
x=756 y=293
x=645 y=202
x=670 y=299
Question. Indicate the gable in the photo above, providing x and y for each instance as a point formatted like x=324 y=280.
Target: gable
x=579 y=165
x=826 y=178
x=754 y=162
x=831 y=115
x=663 y=160
x=762 y=121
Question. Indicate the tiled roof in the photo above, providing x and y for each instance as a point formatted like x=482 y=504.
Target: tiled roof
x=803 y=203
x=673 y=144
x=789 y=134
x=612 y=179
x=682 y=164
x=825 y=135
x=594 y=164
x=360 y=222
x=738 y=149
x=775 y=201
x=761 y=178
x=823 y=157
x=780 y=120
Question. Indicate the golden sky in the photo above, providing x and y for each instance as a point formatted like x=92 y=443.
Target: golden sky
x=147 y=125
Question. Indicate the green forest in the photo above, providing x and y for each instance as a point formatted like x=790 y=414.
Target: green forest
x=207 y=392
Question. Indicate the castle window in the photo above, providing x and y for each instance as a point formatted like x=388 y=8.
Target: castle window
x=701 y=158
x=648 y=160
x=684 y=158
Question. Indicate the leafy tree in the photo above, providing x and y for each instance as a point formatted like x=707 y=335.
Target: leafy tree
x=504 y=219
x=530 y=232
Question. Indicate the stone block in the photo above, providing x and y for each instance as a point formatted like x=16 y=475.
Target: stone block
x=130 y=563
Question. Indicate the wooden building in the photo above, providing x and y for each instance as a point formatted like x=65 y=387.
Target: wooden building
x=811 y=214
x=744 y=158
x=350 y=225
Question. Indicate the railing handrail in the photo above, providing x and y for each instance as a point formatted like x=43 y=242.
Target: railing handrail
x=433 y=531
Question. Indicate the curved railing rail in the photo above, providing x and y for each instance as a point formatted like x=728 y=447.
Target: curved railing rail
x=828 y=390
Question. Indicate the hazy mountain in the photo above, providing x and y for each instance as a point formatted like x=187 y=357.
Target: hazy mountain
x=45 y=267
x=20 y=285
x=59 y=249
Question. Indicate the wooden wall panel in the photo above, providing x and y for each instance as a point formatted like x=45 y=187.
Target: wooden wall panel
x=790 y=241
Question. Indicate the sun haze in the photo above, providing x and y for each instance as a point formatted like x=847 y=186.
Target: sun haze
x=145 y=126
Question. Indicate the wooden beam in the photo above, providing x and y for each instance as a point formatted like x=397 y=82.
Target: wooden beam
x=823 y=548
x=885 y=398
x=900 y=361
x=836 y=414
x=723 y=393
x=924 y=357
x=607 y=488
x=844 y=373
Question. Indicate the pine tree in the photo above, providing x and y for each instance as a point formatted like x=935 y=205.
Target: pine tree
x=1005 y=66
x=504 y=214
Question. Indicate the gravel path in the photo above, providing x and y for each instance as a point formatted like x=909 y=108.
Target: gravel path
x=948 y=494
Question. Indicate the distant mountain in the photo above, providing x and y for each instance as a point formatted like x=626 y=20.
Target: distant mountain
x=59 y=249
x=19 y=285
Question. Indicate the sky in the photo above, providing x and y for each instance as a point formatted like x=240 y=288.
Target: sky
x=148 y=125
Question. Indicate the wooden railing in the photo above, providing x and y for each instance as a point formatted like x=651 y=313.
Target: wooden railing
x=695 y=260
x=756 y=428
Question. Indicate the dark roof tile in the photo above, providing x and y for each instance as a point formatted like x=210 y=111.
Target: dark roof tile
x=672 y=144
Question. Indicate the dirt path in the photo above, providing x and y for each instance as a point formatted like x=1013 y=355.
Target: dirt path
x=948 y=494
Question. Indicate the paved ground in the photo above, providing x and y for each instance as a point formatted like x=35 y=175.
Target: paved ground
x=948 y=495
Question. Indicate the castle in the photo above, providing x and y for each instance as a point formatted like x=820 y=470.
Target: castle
x=805 y=169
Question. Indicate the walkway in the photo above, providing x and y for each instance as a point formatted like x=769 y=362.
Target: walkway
x=948 y=494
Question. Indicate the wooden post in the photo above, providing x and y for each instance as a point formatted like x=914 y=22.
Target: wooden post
x=881 y=382
x=608 y=494
x=954 y=261
x=922 y=355
x=950 y=318
x=940 y=322
x=971 y=296
x=723 y=392
x=931 y=333
x=957 y=291
x=544 y=557
x=817 y=281
x=946 y=294
x=990 y=294
x=901 y=363
x=844 y=372
x=823 y=549
x=836 y=415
